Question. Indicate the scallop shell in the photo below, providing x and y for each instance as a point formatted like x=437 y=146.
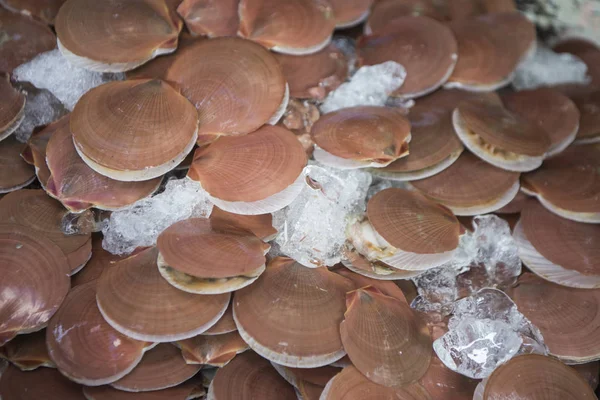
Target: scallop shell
x=349 y=13
x=387 y=288
x=137 y=301
x=385 y=340
x=314 y=376
x=185 y=391
x=567 y=318
x=28 y=352
x=295 y=27
x=359 y=264
x=589 y=122
x=557 y=249
x=215 y=350
x=259 y=225
x=254 y=174
x=500 y=137
x=84 y=347
x=100 y=260
x=12 y=107
x=116 y=35
x=385 y=12
x=590 y=372
x=470 y=186
x=161 y=367
x=361 y=136
x=444 y=384
x=224 y=325
x=15 y=173
x=38 y=384
x=35 y=152
x=428 y=53
x=210 y=18
x=301 y=328
x=536 y=377
x=248 y=376
x=148 y=137
x=35 y=280
x=515 y=205
x=44 y=10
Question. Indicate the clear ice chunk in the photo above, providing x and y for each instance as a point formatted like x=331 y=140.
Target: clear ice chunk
x=140 y=225
x=369 y=86
x=52 y=71
x=547 y=68
x=312 y=228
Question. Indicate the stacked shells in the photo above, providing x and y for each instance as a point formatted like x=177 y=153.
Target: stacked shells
x=226 y=94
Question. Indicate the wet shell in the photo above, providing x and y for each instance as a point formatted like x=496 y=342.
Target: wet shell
x=471 y=186
x=15 y=173
x=77 y=186
x=444 y=384
x=12 y=107
x=100 y=260
x=143 y=139
x=210 y=18
x=292 y=27
x=428 y=53
x=225 y=325
x=568 y=318
x=385 y=12
x=254 y=174
x=84 y=347
x=557 y=249
x=314 y=76
x=35 y=280
x=34 y=209
x=35 y=152
x=259 y=225
x=247 y=377
x=186 y=391
x=551 y=110
x=350 y=13
x=27 y=352
x=233 y=96
x=536 y=377
x=301 y=329
x=137 y=301
x=589 y=123
x=215 y=350
x=385 y=340
x=500 y=137
x=115 y=35
x=44 y=10
x=38 y=384
x=361 y=136
x=23 y=38
x=161 y=367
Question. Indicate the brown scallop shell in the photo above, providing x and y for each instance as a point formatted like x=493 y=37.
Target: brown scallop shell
x=385 y=12
x=389 y=289
x=116 y=35
x=38 y=384
x=215 y=350
x=100 y=260
x=35 y=152
x=210 y=18
x=84 y=347
x=137 y=301
x=15 y=173
x=574 y=45
x=314 y=376
x=301 y=329
x=233 y=96
x=536 y=377
x=569 y=319
x=553 y=111
x=250 y=169
x=589 y=123
x=375 y=269
x=444 y=384
x=185 y=391
x=428 y=53
x=23 y=39
x=313 y=76
x=249 y=376
x=349 y=13
x=259 y=225
x=470 y=186
x=350 y=384
x=161 y=367
x=590 y=372
x=12 y=107
x=28 y=352
x=44 y=10
x=385 y=340
x=143 y=139
x=515 y=205
x=35 y=280
x=224 y=325
x=364 y=134
x=36 y=210
x=292 y=27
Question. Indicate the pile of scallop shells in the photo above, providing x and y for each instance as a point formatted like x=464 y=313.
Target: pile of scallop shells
x=227 y=92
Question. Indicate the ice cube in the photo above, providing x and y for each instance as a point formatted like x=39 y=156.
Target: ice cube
x=312 y=228
x=141 y=224
x=51 y=71
x=370 y=86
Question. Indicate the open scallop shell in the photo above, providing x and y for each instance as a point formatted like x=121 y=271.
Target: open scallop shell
x=428 y=53
x=359 y=264
x=15 y=173
x=137 y=301
x=116 y=35
x=385 y=340
x=359 y=137
x=189 y=390
x=499 y=136
x=589 y=108
x=28 y=352
x=210 y=18
x=12 y=107
x=535 y=376
x=568 y=184
x=557 y=249
x=35 y=152
x=470 y=186
x=224 y=325
x=84 y=347
x=234 y=96
x=351 y=13
x=133 y=130
x=100 y=260
x=563 y=316
x=38 y=384
x=259 y=225
x=215 y=350
x=295 y=27
x=44 y=10
x=301 y=328
x=253 y=174
x=161 y=367
x=35 y=280
x=444 y=384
